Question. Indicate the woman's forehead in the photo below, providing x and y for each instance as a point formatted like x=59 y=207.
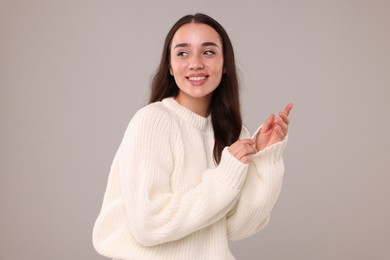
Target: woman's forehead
x=196 y=34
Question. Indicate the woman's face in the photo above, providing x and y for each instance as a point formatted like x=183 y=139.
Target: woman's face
x=196 y=61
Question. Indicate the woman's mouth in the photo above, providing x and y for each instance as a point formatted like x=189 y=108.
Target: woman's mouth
x=197 y=80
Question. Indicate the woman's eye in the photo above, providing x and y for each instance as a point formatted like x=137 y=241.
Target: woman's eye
x=209 y=53
x=182 y=54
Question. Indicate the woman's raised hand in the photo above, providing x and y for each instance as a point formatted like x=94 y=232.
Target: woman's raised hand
x=273 y=130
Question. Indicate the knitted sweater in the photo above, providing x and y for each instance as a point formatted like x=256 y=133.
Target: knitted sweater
x=166 y=198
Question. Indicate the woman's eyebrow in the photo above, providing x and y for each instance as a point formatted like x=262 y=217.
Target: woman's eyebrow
x=179 y=45
x=210 y=44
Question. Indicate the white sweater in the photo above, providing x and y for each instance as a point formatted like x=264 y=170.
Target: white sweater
x=166 y=198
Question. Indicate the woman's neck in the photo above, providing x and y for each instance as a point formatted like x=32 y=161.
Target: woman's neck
x=200 y=106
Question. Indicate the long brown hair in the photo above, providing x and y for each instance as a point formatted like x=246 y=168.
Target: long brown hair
x=225 y=102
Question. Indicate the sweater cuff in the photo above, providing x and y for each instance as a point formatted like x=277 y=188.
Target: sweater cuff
x=231 y=171
x=271 y=154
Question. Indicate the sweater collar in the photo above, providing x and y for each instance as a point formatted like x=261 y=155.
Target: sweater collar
x=203 y=123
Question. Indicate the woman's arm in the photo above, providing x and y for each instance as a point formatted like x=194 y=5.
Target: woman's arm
x=259 y=193
x=264 y=180
x=156 y=214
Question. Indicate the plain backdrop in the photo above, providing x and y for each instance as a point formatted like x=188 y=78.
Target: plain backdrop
x=73 y=73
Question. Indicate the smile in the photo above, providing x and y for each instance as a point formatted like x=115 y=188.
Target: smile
x=196 y=78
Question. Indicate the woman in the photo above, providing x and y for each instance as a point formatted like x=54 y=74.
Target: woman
x=187 y=176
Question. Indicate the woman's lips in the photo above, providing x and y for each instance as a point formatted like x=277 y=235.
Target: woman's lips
x=197 y=80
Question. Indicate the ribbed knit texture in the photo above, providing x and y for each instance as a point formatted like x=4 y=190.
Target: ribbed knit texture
x=166 y=198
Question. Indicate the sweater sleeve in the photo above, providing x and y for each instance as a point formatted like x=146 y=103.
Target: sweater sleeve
x=259 y=193
x=157 y=215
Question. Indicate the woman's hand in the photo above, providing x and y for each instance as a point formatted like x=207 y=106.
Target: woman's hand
x=273 y=130
x=243 y=149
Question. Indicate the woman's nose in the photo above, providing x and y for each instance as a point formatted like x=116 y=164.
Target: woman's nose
x=196 y=63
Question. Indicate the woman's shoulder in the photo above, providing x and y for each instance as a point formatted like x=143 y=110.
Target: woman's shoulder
x=154 y=115
x=153 y=110
x=149 y=124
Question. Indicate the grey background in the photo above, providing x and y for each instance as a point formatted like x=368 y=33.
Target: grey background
x=73 y=73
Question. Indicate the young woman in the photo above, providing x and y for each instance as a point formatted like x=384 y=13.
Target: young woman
x=188 y=176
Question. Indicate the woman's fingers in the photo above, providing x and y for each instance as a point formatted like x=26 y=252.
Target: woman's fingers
x=278 y=127
x=242 y=150
x=282 y=122
x=280 y=132
x=284 y=117
x=246 y=159
x=267 y=124
x=288 y=108
x=233 y=149
x=245 y=151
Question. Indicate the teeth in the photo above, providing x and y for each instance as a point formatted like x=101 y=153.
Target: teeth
x=196 y=78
